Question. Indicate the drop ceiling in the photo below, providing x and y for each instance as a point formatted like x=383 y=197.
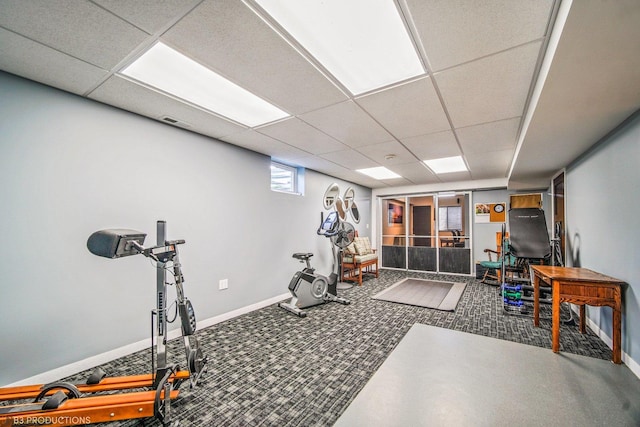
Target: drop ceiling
x=519 y=88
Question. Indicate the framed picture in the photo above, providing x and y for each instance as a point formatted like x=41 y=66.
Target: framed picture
x=396 y=214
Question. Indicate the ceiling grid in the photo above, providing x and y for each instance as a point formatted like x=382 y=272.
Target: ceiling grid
x=481 y=62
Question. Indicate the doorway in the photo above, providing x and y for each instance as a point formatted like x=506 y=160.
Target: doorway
x=421 y=225
x=558 y=191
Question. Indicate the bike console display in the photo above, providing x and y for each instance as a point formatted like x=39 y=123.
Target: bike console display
x=115 y=243
x=329 y=225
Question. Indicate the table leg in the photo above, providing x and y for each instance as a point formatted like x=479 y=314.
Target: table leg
x=536 y=299
x=616 y=355
x=583 y=318
x=555 y=323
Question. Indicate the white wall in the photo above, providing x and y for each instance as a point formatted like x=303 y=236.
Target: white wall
x=603 y=226
x=70 y=166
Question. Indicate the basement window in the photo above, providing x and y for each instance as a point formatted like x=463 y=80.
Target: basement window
x=286 y=179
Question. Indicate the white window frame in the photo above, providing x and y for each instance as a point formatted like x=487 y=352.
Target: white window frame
x=295 y=181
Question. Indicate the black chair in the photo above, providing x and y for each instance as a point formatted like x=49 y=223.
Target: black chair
x=457 y=241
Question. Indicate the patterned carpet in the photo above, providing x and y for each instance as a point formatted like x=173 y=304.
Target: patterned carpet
x=271 y=368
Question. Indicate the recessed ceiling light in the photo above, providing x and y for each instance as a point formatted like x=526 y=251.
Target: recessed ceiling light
x=363 y=43
x=379 y=173
x=446 y=164
x=170 y=71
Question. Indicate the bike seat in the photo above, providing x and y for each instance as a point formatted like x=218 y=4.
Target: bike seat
x=302 y=256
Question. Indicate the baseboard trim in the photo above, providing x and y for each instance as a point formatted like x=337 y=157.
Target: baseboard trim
x=99 y=359
x=626 y=359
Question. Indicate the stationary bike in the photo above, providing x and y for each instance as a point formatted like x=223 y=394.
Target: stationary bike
x=308 y=288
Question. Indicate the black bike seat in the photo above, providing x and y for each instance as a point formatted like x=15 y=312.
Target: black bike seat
x=302 y=255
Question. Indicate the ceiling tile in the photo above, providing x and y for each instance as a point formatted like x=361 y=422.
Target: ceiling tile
x=350 y=159
x=347 y=123
x=454 y=176
x=297 y=133
x=130 y=96
x=149 y=15
x=487 y=137
x=415 y=172
x=80 y=29
x=326 y=167
x=379 y=152
x=490 y=89
x=322 y=165
x=26 y=58
x=264 y=144
x=407 y=110
x=490 y=164
x=457 y=31
x=230 y=38
x=358 y=178
x=397 y=182
x=433 y=146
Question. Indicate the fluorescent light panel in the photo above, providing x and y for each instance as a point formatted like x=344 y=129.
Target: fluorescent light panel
x=170 y=71
x=447 y=194
x=363 y=43
x=446 y=164
x=379 y=173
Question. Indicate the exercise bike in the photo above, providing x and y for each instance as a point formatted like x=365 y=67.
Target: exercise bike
x=65 y=404
x=308 y=288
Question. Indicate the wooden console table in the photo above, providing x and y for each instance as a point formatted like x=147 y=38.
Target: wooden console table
x=579 y=286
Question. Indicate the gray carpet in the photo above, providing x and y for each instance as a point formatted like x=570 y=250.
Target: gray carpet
x=271 y=368
x=424 y=293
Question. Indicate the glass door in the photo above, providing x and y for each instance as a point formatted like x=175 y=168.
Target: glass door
x=454 y=233
x=429 y=232
x=394 y=234
x=421 y=249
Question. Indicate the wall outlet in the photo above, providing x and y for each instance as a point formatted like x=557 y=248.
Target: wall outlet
x=224 y=284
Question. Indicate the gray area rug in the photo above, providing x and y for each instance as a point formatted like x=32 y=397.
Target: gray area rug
x=424 y=293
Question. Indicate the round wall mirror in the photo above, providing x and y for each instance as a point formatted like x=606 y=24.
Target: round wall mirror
x=340 y=208
x=349 y=196
x=355 y=214
x=331 y=196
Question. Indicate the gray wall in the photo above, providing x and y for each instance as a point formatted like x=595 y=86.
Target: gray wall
x=484 y=235
x=70 y=166
x=603 y=226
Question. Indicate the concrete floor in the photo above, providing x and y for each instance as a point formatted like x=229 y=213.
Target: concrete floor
x=441 y=377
